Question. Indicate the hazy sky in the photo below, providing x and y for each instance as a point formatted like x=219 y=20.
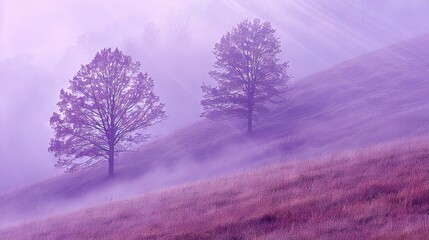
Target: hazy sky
x=43 y=43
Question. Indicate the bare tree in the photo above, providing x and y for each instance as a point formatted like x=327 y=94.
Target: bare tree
x=100 y=114
x=247 y=72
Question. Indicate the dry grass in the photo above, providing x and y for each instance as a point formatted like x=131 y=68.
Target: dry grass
x=379 y=193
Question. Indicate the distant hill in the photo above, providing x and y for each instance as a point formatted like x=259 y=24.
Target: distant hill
x=364 y=101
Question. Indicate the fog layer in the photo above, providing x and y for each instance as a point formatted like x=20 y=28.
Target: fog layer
x=43 y=44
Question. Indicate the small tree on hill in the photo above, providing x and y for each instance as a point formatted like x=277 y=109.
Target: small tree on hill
x=247 y=72
x=100 y=114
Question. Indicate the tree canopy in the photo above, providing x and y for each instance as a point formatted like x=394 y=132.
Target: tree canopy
x=247 y=72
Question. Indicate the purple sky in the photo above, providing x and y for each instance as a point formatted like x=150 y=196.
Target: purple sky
x=43 y=43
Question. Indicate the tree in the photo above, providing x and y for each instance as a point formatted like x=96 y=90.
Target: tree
x=248 y=73
x=102 y=112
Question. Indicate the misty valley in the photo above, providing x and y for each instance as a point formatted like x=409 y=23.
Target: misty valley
x=214 y=119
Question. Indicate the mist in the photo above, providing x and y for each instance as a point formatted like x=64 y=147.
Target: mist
x=44 y=43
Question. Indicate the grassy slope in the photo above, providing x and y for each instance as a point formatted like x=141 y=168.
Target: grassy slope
x=379 y=193
x=365 y=101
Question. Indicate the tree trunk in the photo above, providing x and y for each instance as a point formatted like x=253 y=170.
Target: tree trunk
x=249 y=114
x=111 y=160
x=250 y=122
x=249 y=125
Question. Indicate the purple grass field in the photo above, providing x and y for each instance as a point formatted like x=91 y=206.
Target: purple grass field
x=214 y=120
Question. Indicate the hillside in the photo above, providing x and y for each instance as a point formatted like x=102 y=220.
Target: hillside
x=375 y=193
x=365 y=101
